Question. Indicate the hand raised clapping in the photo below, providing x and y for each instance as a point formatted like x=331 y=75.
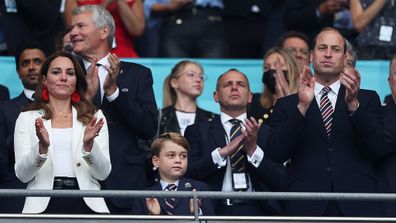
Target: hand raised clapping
x=42 y=135
x=91 y=131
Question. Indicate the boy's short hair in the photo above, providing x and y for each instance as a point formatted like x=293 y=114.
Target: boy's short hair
x=174 y=137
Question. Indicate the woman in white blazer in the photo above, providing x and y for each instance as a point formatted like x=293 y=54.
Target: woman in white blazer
x=61 y=140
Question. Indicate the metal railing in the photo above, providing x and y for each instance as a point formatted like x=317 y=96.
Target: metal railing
x=382 y=197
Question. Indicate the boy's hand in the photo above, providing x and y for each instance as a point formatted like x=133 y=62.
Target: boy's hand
x=192 y=203
x=153 y=206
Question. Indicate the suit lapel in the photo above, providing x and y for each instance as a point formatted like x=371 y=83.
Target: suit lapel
x=339 y=112
x=217 y=131
x=21 y=100
x=314 y=111
x=78 y=133
x=181 y=187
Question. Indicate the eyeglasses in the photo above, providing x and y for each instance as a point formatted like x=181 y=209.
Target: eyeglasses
x=192 y=74
x=302 y=51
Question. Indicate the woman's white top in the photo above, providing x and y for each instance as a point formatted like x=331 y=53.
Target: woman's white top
x=63 y=154
x=185 y=119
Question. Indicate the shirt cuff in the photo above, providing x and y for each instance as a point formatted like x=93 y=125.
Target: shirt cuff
x=256 y=157
x=217 y=159
x=113 y=96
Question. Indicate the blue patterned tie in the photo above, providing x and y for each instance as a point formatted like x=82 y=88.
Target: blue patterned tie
x=238 y=158
x=170 y=202
x=326 y=109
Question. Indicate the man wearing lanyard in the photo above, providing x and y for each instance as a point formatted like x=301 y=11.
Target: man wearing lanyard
x=233 y=159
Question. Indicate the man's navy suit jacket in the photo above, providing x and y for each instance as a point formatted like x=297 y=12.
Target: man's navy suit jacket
x=132 y=115
x=9 y=112
x=206 y=136
x=182 y=204
x=341 y=163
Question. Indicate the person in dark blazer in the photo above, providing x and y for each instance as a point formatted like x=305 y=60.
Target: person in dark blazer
x=170 y=157
x=386 y=165
x=28 y=60
x=123 y=92
x=211 y=151
x=334 y=153
x=4 y=93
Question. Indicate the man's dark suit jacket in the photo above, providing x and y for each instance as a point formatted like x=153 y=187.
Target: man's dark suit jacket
x=206 y=136
x=343 y=163
x=9 y=111
x=182 y=204
x=386 y=165
x=132 y=115
x=4 y=93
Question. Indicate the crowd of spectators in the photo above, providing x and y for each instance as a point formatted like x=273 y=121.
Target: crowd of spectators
x=85 y=119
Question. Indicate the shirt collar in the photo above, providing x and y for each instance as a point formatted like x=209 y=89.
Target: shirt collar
x=29 y=94
x=104 y=61
x=335 y=87
x=165 y=184
x=226 y=118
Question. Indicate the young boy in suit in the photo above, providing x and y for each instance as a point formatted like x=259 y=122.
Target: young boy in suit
x=169 y=156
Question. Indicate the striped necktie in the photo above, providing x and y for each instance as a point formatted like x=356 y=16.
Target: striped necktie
x=170 y=202
x=238 y=158
x=326 y=109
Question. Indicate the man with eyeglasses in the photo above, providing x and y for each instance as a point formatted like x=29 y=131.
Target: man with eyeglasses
x=298 y=44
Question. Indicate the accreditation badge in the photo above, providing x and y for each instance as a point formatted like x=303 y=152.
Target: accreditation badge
x=240 y=181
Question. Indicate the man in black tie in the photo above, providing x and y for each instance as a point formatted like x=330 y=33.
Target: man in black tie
x=28 y=60
x=330 y=131
x=124 y=93
x=228 y=152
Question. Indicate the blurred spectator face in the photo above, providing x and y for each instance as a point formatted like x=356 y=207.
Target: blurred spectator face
x=349 y=65
x=272 y=60
x=190 y=81
x=392 y=77
x=300 y=50
x=328 y=55
x=233 y=91
x=29 y=67
x=85 y=36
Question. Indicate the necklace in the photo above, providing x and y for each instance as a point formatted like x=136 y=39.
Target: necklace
x=64 y=114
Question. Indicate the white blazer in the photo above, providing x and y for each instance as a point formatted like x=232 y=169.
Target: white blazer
x=37 y=170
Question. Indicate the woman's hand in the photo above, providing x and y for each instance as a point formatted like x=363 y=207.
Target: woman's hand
x=42 y=135
x=282 y=88
x=91 y=131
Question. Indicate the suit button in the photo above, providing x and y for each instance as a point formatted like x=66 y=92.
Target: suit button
x=78 y=164
x=330 y=149
x=328 y=169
